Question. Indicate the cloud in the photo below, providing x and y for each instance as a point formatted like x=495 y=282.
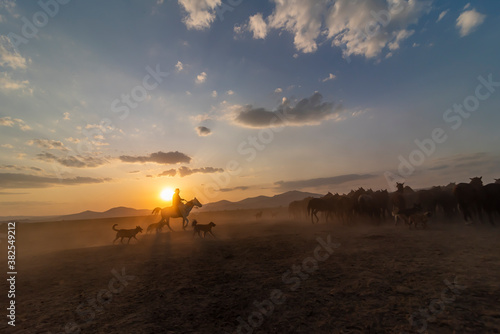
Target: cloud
x=6 y=146
x=257 y=26
x=7 y=83
x=214 y=93
x=335 y=180
x=158 y=157
x=66 y=116
x=171 y=172
x=186 y=171
x=179 y=66
x=10 y=122
x=15 y=181
x=203 y=131
x=468 y=21
x=201 y=78
x=21 y=168
x=9 y=57
x=399 y=37
x=48 y=144
x=359 y=28
x=278 y=90
x=329 y=77
x=229 y=92
x=442 y=14
x=308 y=111
x=73 y=161
x=200 y=13
x=234 y=188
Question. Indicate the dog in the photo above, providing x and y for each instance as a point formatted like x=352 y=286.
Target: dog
x=419 y=218
x=158 y=226
x=404 y=214
x=123 y=233
x=205 y=228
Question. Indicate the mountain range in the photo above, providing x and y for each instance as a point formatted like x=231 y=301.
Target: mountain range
x=259 y=202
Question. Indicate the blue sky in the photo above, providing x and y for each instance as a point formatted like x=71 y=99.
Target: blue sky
x=349 y=87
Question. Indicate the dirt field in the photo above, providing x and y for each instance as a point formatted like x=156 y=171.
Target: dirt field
x=266 y=276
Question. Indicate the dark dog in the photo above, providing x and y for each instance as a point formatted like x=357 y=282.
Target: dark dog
x=123 y=233
x=205 y=228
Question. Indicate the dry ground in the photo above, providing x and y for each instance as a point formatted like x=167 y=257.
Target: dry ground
x=377 y=279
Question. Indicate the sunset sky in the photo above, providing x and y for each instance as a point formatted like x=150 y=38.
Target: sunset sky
x=107 y=103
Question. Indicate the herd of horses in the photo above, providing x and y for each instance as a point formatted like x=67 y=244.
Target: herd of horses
x=472 y=200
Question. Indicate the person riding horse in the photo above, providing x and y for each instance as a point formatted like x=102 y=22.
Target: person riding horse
x=177 y=202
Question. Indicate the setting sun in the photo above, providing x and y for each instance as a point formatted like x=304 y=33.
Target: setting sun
x=166 y=194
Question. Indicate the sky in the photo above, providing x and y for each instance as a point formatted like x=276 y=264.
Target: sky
x=106 y=104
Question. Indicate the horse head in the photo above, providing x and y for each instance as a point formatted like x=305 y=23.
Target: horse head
x=196 y=202
x=476 y=181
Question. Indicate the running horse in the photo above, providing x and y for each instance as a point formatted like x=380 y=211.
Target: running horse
x=170 y=212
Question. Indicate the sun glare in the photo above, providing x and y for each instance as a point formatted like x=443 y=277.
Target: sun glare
x=166 y=194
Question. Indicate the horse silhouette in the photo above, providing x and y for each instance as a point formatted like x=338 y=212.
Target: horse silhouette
x=468 y=197
x=171 y=212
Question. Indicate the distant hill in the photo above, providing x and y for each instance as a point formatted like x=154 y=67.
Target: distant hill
x=259 y=202
x=120 y=211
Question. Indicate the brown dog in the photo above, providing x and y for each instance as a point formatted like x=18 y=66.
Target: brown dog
x=205 y=228
x=123 y=233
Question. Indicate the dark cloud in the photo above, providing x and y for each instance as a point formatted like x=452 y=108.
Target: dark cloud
x=185 y=171
x=159 y=158
x=21 y=168
x=308 y=111
x=335 y=180
x=12 y=180
x=235 y=188
x=170 y=172
x=77 y=161
x=203 y=131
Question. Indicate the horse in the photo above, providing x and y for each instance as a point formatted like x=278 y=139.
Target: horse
x=171 y=212
x=468 y=197
x=316 y=205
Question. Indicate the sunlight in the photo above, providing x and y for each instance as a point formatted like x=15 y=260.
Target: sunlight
x=167 y=193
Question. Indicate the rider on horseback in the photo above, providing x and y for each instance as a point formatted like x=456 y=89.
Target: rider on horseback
x=177 y=202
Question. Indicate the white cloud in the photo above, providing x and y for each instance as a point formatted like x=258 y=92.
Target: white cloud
x=188 y=93
x=201 y=78
x=443 y=14
x=278 y=90
x=9 y=57
x=467 y=6
x=7 y=146
x=7 y=83
x=468 y=21
x=179 y=66
x=10 y=122
x=329 y=77
x=200 y=13
x=257 y=26
x=214 y=93
x=362 y=28
x=66 y=116
x=229 y=92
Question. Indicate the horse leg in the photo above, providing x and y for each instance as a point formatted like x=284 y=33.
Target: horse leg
x=168 y=224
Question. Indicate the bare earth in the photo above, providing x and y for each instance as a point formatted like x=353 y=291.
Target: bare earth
x=266 y=276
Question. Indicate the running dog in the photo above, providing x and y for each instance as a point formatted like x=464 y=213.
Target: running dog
x=404 y=214
x=158 y=226
x=205 y=228
x=123 y=233
x=419 y=218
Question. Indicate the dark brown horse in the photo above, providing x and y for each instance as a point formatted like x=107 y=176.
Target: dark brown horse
x=468 y=197
x=491 y=200
x=323 y=204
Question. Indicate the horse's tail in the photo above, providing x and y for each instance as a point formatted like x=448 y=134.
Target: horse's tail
x=309 y=209
x=114 y=228
x=156 y=211
x=193 y=224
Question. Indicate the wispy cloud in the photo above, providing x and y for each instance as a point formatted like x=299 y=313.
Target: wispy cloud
x=10 y=122
x=326 y=181
x=22 y=181
x=165 y=158
x=48 y=144
x=442 y=15
x=185 y=171
x=201 y=78
x=331 y=76
x=76 y=161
